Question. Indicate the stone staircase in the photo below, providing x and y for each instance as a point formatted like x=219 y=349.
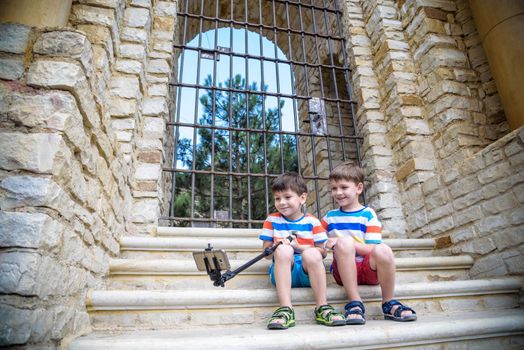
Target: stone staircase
x=157 y=299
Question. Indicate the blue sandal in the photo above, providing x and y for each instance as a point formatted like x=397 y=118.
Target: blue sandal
x=355 y=307
x=397 y=315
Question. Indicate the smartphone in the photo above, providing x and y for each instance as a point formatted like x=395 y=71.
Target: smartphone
x=221 y=259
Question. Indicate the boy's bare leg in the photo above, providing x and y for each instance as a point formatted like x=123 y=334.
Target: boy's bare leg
x=314 y=266
x=282 y=270
x=347 y=268
x=383 y=261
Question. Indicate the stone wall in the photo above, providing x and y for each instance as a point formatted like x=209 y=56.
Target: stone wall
x=83 y=140
x=436 y=142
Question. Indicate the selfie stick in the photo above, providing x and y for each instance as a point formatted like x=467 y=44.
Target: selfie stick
x=219 y=279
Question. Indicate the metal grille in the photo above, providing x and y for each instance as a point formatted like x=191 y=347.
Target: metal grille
x=261 y=87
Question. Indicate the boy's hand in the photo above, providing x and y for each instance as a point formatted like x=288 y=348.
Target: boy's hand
x=330 y=244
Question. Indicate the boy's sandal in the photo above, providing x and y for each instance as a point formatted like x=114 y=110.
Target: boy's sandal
x=285 y=314
x=397 y=315
x=355 y=307
x=325 y=315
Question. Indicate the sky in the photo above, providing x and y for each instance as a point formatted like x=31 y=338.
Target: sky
x=189 y=58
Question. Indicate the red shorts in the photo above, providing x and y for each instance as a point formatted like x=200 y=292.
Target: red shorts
x=365 y=274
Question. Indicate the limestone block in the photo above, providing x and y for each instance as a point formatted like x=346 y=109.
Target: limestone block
x=494 y=172
x=158 y=66
x=14 y=38
x=145 y=210
x=147 y=171
x=125 y=87
x=165 y=8
x=499 y=204
x=163 y=25
x=129 y=66
x=24 y=191
x=489 y=266
x=29 y=230
x=154 y=127
x=442 y=57
x=163 y=46
x=141 y=3
x=443 y=225
x=124 y=136
x=468 y=200
x=133 y=51
x=66 y=44
x=11 y=68
x=103 y=3
x=154 y=106
x=123 y=124
x=136 y=35
x=433 y=40
x=122 y=107
x=93 y=15
x=158 y=90
x=463 y=235
x=99 y=36
x=137 y=17
x=16 y=325
x=33 y=152
x=67 y=76
x=491 y=224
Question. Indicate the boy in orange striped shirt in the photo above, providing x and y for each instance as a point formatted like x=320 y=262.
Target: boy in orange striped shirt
x=359 y=256
x=298 y=263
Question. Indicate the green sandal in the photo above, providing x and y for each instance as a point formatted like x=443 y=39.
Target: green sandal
x=282 y=313
x=325 y=315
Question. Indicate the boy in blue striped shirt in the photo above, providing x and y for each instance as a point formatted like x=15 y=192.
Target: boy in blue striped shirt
x=359 y=256
x=299 y=263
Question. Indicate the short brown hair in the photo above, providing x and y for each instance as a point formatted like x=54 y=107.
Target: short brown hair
x=348 y=172
x=289 y=181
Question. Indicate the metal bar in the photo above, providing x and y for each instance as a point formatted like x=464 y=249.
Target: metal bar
x=349 y=137
x=180 y=77
x=193 y=175
x=208 y=172
x=264 y=93
x=265 y=58
x=248 y=122
x=262 y=88
x=230 y=113
x=213 y=109
x=249 y=24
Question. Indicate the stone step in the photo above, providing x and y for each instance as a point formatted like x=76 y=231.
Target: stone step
x=166 y=231
x=237 y=247
x=183 y=274
x=501 y=329
x=134 y=309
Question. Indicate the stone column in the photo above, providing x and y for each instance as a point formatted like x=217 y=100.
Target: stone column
x=501 y=28
x=41 y=13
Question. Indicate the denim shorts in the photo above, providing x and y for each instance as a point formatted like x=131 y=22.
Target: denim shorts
x=299 y=277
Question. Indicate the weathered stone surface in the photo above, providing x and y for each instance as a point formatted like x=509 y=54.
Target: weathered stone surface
x=136 y=35
x=158 y=66
x=14 y=38
x=15 y=327
x=29 y=230
x=145 y=210
x=11 y=68
x=148 y=172
x=133 y=51
x=67 y=76
x=66 y=44
x=137 y=17
x=125 y=87
x=33 y=152
x=93 y=15
x=165 y=8
x=29 y=191
x=154 y=106
x=122 y=107
x=154 y=128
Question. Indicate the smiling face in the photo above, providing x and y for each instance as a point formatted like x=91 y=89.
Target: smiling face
x=289 y=203
x=346 y=194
